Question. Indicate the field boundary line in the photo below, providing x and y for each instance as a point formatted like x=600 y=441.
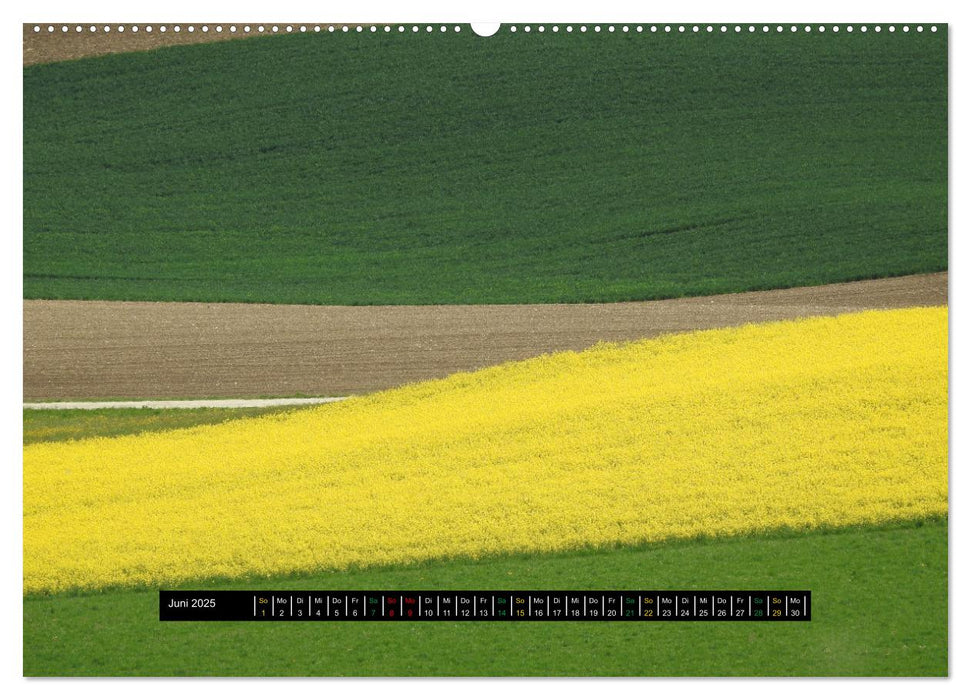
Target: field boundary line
x=194 y=403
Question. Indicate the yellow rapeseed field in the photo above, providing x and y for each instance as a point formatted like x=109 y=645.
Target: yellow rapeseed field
x=822 y=422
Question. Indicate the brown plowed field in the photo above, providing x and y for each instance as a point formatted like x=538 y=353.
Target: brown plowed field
x=103 y=349
x=48 y=47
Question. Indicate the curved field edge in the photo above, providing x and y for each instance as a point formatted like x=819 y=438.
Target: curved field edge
x=451 y=169
x=138 y=350
x=823 y=422
x=44 y=425
x=294 y=579
x=53 y=47
x=478 y=350
x=855 y=574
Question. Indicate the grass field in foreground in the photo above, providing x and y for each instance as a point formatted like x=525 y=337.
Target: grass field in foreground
x=804 y=424
x=879 y=608
x=448 y=168
x=42 y=425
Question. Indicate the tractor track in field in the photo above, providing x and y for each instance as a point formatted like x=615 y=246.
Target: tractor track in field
x=102 y=350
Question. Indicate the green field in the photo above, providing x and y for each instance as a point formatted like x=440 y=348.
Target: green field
x=42 y=425
x=448 y=168
x=879 y=608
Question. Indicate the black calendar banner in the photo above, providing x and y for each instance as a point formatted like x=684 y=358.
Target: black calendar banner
x=485 y=606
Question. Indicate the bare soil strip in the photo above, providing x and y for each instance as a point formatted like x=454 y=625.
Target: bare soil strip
x=197 y=403
x=48 y=47
x=77 y=350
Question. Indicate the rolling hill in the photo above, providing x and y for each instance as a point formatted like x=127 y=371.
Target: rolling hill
x=448 y=168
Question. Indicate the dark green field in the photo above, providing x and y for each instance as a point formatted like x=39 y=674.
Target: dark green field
x=879 y=608
x=365 y=169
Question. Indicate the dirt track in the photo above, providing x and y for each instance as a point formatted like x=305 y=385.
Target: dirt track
x=121 y=350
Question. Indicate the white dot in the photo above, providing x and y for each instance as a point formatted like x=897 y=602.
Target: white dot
x=360 y=28
x=667 y=28
x=822 y=28
x=569 y=29
x=148 y=28
x=694 y=28
x=724 y=28
x=107 y=28
x=526 y=28
x=289 y=28
x=303 y=28
x=610 y=28
x=708 y=28
x=933 y=29
x=36 y=28
x=192 y=29
x=121 y=28
x=556 y=28
x=50 y=28
x=626 y=28
x=458 y=28
x=737 y=28
x=583 y=29
x=597 y=28
x=541 y=28
x=276 y=28
x=134 y=28
x=205 y=29
x=176 y=28
x=428 y=29
x=92 y=28
x=77 y=28
x=443 y=29
x=401 y=29
x=485 y=28
x=863 y=28
x=779 y=28
x=261 y=28
x=877 y=29
x=765 y=29
x=849 y=29
x=681 y=28
x=751 y=28
x=654 y=28
x=413 y=29
x=836 y=29
x=906 y=29
x=344 y=28
x=920 y=28
x=246 y=29
x=162 y=29
x=892 y=28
